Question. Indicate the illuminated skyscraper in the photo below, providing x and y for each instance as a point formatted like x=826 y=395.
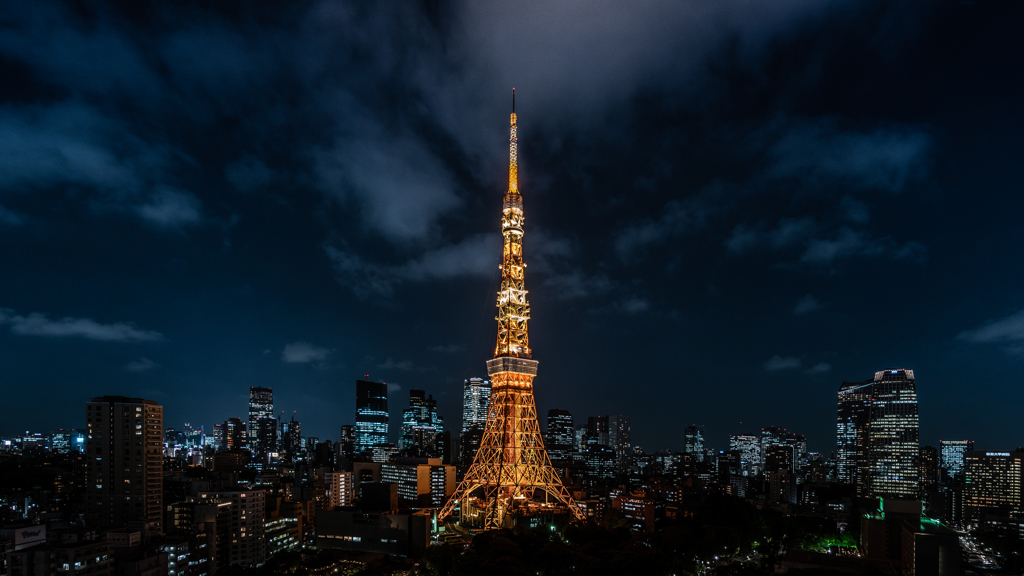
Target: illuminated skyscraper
x=559 y=438
x=993 y=482
x=775 y=436
x=476 y=397
x=234 y=434
x=291 y=439
x=693 y=441
x=928 y=469
x=125 y=465
x=612 y=431
x=267 y=441
x=749 y=447
x=877 y=435
x=954 y=455
x=261 y=405
x=348 y=440
x=371 y=414
x=851 y=432
x=893 y=436
x=421 y=425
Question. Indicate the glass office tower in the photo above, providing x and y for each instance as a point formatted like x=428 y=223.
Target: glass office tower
x=878 y=447
x=954 y=455
x=559 y=439
x=371 y=414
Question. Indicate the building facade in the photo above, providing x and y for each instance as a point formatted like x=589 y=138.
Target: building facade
x=124 y=474
x=476 y=398
x=422 y=482
x=693 y=441
x=371 y=414
x=612 y=431
x=954 y=456
x=749 y=447
x=878 y=448
x=928 y=469
x=337 y=489
x=261 y=405
x=421 y=425
x=992 y=483
x=234 y=434
x=560 y=434
x=245 y=543
x=893 y=436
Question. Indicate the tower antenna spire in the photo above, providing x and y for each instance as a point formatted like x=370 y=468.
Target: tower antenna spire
x=513 y=100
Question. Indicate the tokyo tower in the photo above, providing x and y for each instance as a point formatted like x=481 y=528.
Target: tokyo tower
x=511 y=474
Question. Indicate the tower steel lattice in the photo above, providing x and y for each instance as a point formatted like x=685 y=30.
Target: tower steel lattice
x=511 y=473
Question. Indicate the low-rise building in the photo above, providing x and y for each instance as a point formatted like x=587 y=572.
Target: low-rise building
x=397 y=534
x=422 y=482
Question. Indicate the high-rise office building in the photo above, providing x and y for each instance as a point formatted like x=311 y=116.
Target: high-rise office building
x=600 y=465
x=954 y=455
x=267 y=440
x=371 y=415
x=612 y=431
x=421 y=425
x=878 y=435
x=851 y=432
x=749 y=447
x=928 y=469
x=894 y=432
x=124 y=474
x=476 y=397
x=779 y=466
x=693 y=441
x=559 y=438
x=580 y=439
x=291 y=439
x=775 y=436
x=61 y=441
x=993 y=483
x=234 y=432
x=219 y=436
x=261 y=405
x=348 y=440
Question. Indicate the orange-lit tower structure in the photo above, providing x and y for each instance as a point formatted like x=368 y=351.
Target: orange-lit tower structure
x=511 y=473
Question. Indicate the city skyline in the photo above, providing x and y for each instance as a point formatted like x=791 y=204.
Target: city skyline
x=723 y=235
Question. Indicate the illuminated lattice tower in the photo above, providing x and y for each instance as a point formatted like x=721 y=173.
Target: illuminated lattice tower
x=511 y=474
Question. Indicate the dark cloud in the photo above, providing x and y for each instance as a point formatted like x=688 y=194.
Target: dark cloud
x=36 y=324
x=248 y=173
x=847 y=243
x=806 y=305
x=886 y=157
x=678 y=217
x=819 y=368
x=10 y=218
x=303 y=352
x=172 y=208
x=142 y=364
x=1008 y=329
x=776 y=363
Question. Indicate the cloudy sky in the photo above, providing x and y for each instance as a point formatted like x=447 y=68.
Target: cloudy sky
x=732 y=207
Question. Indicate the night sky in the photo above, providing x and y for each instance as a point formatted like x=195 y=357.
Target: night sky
x=732 y=207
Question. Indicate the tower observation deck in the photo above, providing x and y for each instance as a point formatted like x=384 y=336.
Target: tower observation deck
x=512 y=473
